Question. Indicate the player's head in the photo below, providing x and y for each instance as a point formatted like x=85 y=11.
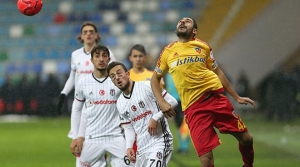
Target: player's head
x=119 y=75
x=89 y=33
x=137 y=56
x=100 y=57
x=186 y=28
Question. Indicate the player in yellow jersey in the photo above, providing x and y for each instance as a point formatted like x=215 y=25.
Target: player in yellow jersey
x=137 y=57
x=139 y=72
x=200 y=83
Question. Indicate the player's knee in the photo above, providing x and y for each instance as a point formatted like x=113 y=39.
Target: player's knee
x=247 y=139
x=207 y=159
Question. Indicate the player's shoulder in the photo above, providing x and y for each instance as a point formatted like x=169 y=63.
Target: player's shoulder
x=85 y=79
x=77 y=52
x=202 y=43
x=148 y=71
x=143 y=84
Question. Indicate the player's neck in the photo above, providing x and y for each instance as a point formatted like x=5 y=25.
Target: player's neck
x=100 y=73
x=185 y=40
x=88 y=47
x=129 y=89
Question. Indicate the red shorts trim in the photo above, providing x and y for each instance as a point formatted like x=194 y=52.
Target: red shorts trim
x=204 y=114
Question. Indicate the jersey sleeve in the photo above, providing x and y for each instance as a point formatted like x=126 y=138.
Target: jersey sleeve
x=211 y=62
x=162 y=65
x=78 y=91
x=69 y=85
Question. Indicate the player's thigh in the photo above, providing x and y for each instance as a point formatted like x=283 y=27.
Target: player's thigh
x=118 y=155
x=92 y=155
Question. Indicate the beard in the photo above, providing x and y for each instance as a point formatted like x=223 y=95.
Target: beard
x=101 y=69
x=187 y=34
x=125 y=87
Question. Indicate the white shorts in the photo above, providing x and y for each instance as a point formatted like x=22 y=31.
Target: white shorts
x=92 y=155
x=156 y=157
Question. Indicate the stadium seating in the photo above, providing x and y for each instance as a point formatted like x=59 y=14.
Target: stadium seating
x=52 y=33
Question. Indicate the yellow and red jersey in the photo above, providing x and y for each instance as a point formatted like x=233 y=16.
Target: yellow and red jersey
x=190 y=64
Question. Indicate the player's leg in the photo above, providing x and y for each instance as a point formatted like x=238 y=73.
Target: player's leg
x=228 y=121
x=92 y=155
x=200 y=121
x=246 y=147
x=117 y=151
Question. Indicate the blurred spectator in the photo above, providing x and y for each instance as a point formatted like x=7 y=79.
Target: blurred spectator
x=242 y=86
x=23 y=95
x=50 y=88
x=9 y=95
x=280 y=96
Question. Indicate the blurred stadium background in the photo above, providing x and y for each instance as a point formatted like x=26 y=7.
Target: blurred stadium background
x=256 y=43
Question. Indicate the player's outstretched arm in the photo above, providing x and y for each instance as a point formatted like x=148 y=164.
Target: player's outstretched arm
x=228 y=87
x=129 y=138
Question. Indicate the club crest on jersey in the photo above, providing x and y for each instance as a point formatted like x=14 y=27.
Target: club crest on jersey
x=198 y=49
x=101 y=92
x=141 y=104
x=112 y=92
x=133 y=108
x=127 y=114
x=159 y=155
x=87 y=63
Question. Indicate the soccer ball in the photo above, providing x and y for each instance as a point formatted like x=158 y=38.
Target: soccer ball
x=30 y=7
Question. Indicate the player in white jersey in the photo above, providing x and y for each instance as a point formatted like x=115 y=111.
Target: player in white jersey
x=140 y=114
x=81 y=64
x=103 y=127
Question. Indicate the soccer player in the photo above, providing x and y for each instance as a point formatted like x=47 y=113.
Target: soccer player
x=103 y=131
x=139 y=72
x=141 y=116
x=200 y=83
x=81 y=64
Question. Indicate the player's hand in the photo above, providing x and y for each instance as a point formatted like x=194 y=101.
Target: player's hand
x=246 y=100
x=130 y=154
x=60 y=103
x=152 y=127
x=80 y=141
x=167 y=109
x=74 y=147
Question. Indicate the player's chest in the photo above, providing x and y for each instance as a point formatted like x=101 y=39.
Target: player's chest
x=100 y=91
x=138 y=107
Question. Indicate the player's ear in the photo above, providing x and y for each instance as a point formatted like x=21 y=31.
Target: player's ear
x=195 y=31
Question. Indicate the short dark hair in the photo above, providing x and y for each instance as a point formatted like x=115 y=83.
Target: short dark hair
x=139 y=48
x=115 y=63
x=195 y=24
x=99 y=48
x=88 y=23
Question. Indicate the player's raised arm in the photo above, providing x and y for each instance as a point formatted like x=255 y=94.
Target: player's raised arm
x=228 y=87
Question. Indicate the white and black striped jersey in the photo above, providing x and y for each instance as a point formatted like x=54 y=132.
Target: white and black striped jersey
x=137 y=109
x=102 y=118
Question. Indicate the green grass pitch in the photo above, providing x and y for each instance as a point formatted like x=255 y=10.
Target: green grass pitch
x=44 y=143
